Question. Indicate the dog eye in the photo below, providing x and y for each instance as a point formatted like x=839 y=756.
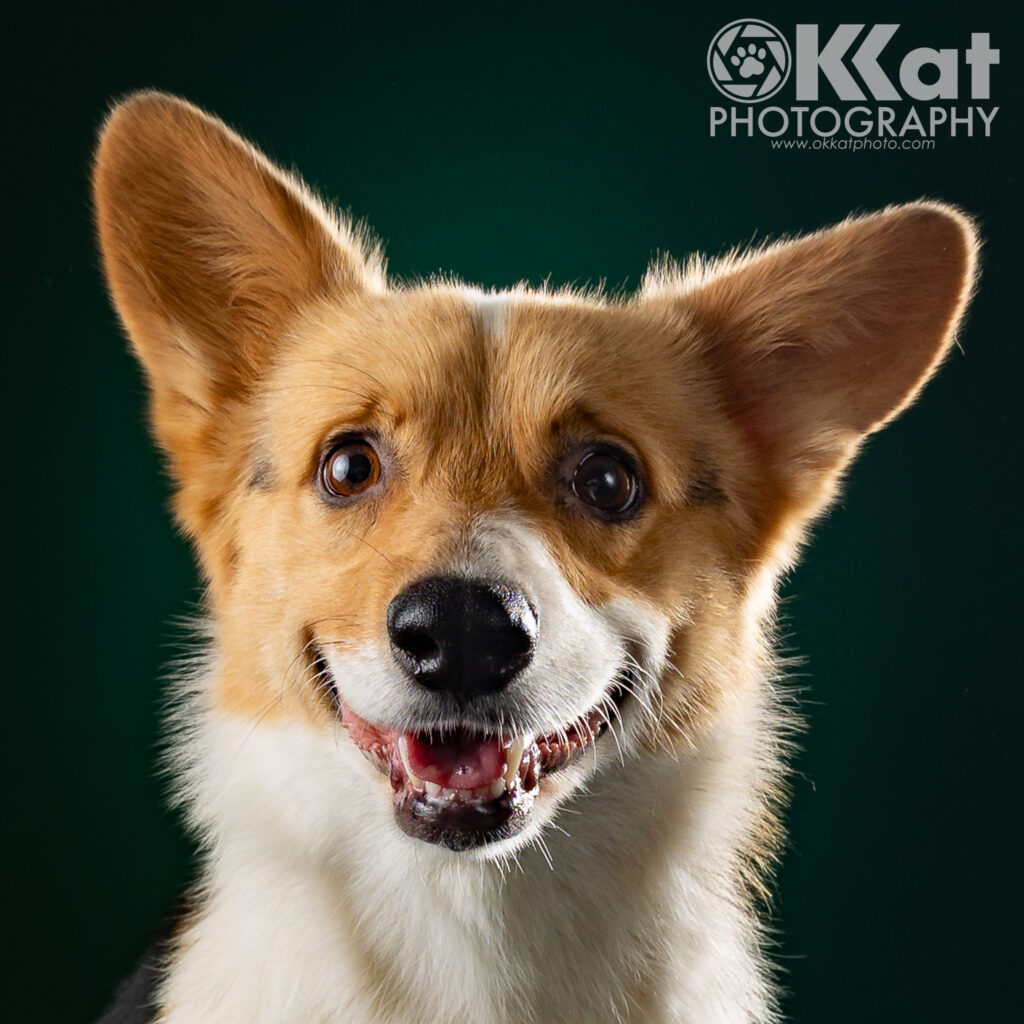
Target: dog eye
x=350 y=469
x=606 y=481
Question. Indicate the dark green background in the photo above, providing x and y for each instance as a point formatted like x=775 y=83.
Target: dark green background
x=504 y=142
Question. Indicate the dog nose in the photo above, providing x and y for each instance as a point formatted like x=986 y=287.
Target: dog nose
x=463 y=637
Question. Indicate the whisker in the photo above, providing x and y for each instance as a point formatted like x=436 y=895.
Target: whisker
x=291 y=664
x=363 y=540
x=545 y=852
x=336 y=618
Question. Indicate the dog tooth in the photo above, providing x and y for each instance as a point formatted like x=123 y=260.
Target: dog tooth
x=513 y=756
x=417 y=782
x=496 y=788
x=433 y=789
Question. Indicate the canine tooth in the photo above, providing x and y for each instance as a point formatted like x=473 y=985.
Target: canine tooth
x=513 y=756
x=433 y=789
x=416 y=781
x=496 y=788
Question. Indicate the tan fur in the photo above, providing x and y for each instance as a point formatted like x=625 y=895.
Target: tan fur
x=744 y=387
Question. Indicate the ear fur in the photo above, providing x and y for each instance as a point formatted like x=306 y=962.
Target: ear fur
x=818 y=342
x=209 y=251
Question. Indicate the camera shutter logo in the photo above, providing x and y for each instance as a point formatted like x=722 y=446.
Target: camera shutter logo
x=749 y=60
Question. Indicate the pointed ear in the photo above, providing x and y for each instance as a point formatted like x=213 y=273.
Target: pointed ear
x=815 y=343
x=209 y=250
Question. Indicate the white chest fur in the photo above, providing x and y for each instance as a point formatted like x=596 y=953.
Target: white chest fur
x=317 y=909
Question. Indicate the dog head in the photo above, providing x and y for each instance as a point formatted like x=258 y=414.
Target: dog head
x=501 y=538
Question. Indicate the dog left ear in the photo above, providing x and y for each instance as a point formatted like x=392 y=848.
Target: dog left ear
x=818 y=342
x=210 y=251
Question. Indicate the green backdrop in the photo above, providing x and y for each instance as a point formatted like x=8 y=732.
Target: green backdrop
x=501 y=142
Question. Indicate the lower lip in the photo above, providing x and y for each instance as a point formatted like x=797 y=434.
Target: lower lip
x=461 y=826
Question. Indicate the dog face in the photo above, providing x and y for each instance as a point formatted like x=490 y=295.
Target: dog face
x=503 y=567
x=500 y=538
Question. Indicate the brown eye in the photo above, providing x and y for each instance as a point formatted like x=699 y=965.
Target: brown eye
x=606 y=481
x=350 y=469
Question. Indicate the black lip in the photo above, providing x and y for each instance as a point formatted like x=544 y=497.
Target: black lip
x=619 y=693
x=461 y=827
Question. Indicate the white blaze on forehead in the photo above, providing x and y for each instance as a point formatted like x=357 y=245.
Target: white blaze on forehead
x=489 y=310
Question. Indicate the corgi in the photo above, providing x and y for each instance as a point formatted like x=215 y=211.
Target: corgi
x=489 y=727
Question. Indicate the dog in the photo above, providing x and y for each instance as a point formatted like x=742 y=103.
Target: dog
x=489 y=726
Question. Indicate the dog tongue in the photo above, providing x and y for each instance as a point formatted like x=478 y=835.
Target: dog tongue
x=463 y=761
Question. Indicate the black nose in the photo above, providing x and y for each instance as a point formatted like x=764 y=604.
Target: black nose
x=463 y=637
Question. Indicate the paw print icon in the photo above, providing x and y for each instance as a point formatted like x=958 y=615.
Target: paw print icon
x=748 y=65
x=749 y=60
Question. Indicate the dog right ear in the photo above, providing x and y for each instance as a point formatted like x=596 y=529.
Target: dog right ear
x=209 y=250
x=815 y=343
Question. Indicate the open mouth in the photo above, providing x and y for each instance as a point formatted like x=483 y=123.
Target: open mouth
x=463 y=788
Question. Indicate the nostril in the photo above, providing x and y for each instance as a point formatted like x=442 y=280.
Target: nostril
x=418 y=644
x=522 y=619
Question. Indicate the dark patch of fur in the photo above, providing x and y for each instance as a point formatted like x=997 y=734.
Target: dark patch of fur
x=263 y=477
x=705 y=487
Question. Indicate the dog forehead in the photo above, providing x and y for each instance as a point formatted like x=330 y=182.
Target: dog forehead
x=460 y=358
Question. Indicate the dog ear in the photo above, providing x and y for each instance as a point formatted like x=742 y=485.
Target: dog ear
x=818 y=342
x=209 y=250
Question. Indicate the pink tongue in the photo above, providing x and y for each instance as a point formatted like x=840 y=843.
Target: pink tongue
x=463 y=762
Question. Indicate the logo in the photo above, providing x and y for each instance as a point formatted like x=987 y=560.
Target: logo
x=749 y=60
x=856 y=87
